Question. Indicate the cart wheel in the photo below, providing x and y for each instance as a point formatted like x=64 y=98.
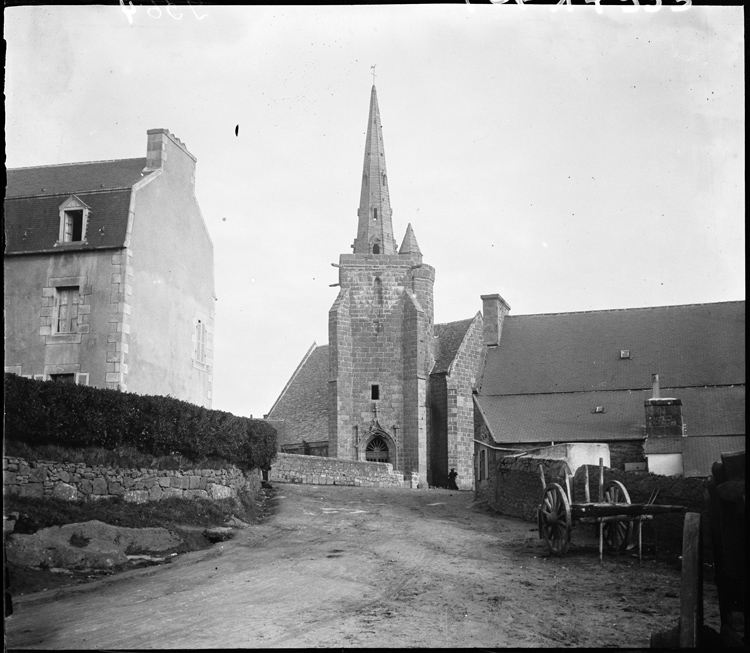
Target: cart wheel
x=555 y=519
x=617 y=533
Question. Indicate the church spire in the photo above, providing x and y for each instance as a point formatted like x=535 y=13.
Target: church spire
x=374 y=229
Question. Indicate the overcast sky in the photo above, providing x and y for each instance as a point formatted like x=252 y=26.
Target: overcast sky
x=568 y=160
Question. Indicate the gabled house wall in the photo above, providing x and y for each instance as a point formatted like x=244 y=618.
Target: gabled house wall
x=171 y=259
x=143 y=274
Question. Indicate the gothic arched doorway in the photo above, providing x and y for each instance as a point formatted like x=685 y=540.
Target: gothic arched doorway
x=377 y=450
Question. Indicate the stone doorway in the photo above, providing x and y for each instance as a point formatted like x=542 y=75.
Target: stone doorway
x=377 y=450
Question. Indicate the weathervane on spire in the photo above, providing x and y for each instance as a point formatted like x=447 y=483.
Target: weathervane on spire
x=372 y=68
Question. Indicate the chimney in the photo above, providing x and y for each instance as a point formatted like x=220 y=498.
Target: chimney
x=655 y=386
x=164 y=151
x=494 y=310
x=663 y=414
x=156 y=148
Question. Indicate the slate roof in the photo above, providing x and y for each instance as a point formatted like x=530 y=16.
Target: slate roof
x=572 y=416
x=448 y=338
x=68 y=178
x=692 y=345
x=699 y=454
x=545 y=379
x=303 y=403
x=34 y=196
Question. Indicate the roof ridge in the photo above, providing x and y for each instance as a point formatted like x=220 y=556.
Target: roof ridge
x=468 y=319
x=633 y=308
x=75 y=163
x=643 y=389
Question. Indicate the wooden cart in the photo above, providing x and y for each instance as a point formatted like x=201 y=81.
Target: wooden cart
x=613 y=513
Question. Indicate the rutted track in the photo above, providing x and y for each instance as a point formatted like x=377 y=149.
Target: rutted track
x=356 y=567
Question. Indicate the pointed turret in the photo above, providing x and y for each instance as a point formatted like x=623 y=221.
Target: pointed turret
x=409 y=244
x=374 y=230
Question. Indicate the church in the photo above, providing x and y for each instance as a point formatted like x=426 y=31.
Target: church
x=392 y=386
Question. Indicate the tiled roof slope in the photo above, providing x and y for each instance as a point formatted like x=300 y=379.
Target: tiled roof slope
x=70 y=178
x=571 y=417
x=304 y=402
x=692 y=345
x=699 y=454
x=32 y=224
x=448 y=338
x=34 y=196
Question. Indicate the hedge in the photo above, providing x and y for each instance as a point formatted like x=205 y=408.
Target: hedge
x=76 y=416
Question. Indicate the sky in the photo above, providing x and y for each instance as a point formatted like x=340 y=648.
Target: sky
x=567 y=159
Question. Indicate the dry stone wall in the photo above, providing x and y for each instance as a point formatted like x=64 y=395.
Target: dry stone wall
x=77 y=480
x=293 y=468
x=518 y=485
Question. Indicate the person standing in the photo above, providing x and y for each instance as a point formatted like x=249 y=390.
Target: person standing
x=452 y=479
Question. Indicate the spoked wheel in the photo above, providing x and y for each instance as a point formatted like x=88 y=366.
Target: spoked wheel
x=554 y=517
x=617 y=533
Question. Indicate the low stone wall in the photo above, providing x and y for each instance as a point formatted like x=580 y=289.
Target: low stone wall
x=518 y=486
x=665 y=530
x=77 y=480
x=293 y=468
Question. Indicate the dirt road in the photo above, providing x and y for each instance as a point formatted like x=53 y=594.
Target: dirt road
x=354 y=567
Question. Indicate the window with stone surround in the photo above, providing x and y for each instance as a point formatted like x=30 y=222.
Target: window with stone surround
x=375 y=391
x=65 y=312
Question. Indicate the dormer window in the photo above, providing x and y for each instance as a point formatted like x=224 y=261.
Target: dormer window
x=73 y=221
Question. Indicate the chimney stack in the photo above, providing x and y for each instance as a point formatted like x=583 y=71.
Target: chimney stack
x=494 y=310
x=663 y=414
x=156 y=148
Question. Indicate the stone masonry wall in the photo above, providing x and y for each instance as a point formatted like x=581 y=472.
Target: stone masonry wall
x=514 y=488
x=292 y=468
x=77 y=480
x=518 y=486
x=664 y=529
x=461 y=380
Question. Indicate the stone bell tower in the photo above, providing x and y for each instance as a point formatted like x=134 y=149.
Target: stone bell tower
x=380 y=332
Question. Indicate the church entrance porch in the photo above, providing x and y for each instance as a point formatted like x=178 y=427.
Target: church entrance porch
x=376 y=451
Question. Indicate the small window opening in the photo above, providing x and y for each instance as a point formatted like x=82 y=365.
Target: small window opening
x=376 y=249
x=375 y=392
x=200 y=342
x=624 y=353
x=63 y=378
x=73 y=228
x=599 y=409
x=375 y=215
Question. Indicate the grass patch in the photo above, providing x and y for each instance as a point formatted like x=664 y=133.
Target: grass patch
x=122 y=457
x=35 y=513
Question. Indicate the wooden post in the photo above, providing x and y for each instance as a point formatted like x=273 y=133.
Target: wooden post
x=601 y=540
x=640 y=540
x=601 y=480
x=691 y=593
x=588 y=491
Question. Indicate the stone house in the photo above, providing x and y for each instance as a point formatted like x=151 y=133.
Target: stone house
x=109 y=274
x=593 y=377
